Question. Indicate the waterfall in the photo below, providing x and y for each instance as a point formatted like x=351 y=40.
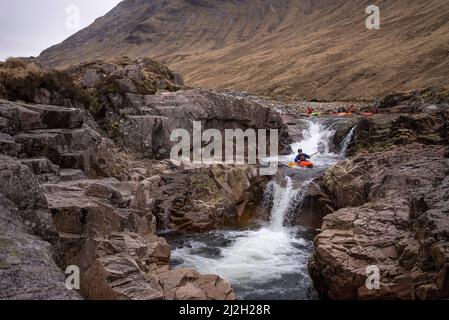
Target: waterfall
x=345 y=143
x=316 y=139
x=282 y=201
x=270 y=261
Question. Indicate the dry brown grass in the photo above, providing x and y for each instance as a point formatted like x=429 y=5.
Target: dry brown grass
x=300 y=48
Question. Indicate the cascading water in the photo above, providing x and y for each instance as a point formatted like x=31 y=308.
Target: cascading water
x=283 y=200
x=345 y=143
x=270 y=262
x=316 y=139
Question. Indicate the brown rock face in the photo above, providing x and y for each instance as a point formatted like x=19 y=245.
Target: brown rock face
x=52 y=132
x=27 y=267
x=186 y=284
x=201 y=200
x=99 y=203
x=109 y=233
x=147 y=127
x=389 y=209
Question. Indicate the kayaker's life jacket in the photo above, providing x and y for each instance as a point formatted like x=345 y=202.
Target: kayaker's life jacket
x=302 y=157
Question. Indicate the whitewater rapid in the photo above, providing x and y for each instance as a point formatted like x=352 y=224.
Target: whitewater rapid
x=270 y=262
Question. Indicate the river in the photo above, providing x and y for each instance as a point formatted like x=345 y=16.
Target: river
x=269 y=262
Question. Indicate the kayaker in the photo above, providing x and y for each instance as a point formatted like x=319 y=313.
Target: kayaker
x=301 y=156
x=352 y=109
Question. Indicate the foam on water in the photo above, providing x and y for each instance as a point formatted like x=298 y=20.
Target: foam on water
x=260 y=255
x=270 y=262
x=316 y=138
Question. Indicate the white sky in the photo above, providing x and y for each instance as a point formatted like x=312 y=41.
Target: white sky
x=29 y=26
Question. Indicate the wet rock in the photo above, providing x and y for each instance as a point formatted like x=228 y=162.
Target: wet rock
x=207 y=252
x=68 y=148
x=40 y=166
x=8 y=147
x=19 y=185
x=26 y=117
x=397 y=225
x=204 y=199
x=118 y=278
x=314 y=207
x=149 y=132
x=95 y=202
x=27 y=268
x=188 y=284
x=71 y=175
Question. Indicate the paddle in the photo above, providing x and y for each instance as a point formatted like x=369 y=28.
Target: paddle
x=294 y=164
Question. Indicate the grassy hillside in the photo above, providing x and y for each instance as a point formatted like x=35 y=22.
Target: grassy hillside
x=300 y=48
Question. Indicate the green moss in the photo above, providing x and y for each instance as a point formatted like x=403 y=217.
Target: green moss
x=113 y=128
x=4 y=264
x=14 y=252
x=431 y=138
x=146 y=87
x=5 y=244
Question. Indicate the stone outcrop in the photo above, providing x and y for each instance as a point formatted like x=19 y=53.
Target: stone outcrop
x=71 y=195
x=49 y=132
x=107 y=228
x=390 y=204
x=147 y=127
x=387 y=207
x=27 y=266
x=201 y=200
x=104 y=226
x=186 y=284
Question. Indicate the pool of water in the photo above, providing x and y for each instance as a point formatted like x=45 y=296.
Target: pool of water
x=270 y=261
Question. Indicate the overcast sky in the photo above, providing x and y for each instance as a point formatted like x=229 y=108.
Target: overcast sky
x=29 y=26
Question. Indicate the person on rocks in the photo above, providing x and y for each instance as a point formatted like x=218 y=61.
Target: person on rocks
x=301 y=156
x=352 y=109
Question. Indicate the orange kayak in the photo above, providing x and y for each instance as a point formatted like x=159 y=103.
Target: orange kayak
x=302 y=164
x=305 y=164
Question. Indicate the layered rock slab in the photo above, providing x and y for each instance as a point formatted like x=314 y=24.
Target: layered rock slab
x=392 y=212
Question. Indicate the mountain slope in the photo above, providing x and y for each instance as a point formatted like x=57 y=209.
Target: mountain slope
x=302 y=48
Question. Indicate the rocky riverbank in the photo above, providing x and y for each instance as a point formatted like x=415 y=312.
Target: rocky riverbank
x=388 y=205
x=85 y=180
